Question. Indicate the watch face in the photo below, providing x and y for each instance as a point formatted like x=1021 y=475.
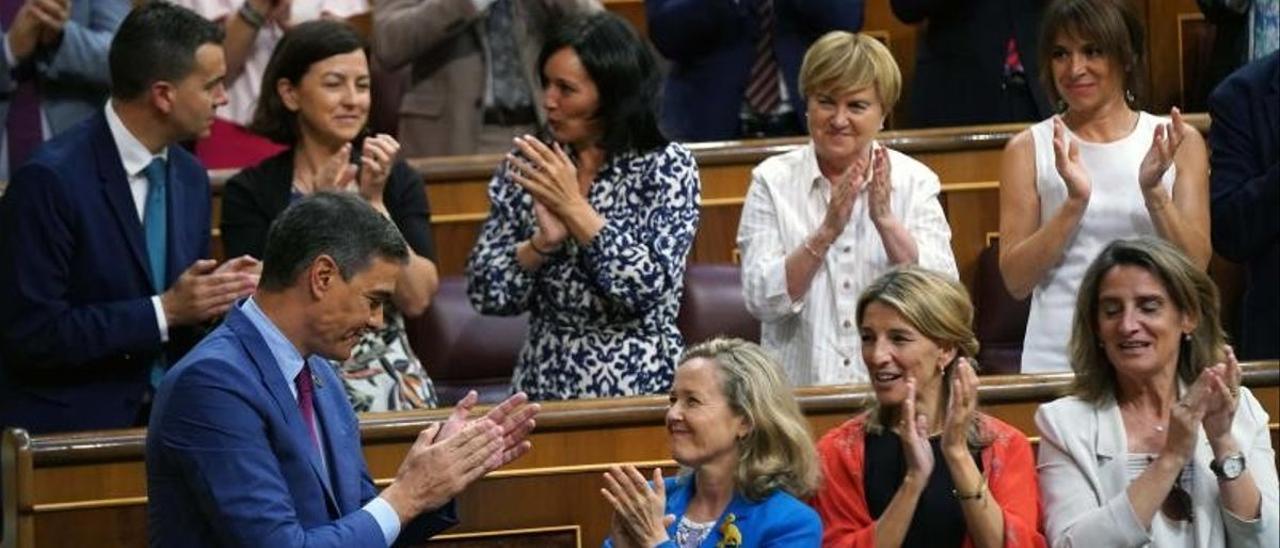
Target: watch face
x=1233 y=466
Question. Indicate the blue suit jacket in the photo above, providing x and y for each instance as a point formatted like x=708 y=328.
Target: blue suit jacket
x=1245 y=184
x=779 y=520
x=711 y=44
x=72 y=74
x=230 y=463
x=78 y=332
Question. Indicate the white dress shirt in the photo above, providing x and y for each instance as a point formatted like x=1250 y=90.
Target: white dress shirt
x=135 y=157
x=816 y=337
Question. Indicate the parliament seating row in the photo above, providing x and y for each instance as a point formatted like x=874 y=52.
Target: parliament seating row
x=464 y=350
x=89 y=489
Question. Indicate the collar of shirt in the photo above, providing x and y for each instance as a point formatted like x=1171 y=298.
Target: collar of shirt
x=813 y=173
x=133 y=154
x=286 y=355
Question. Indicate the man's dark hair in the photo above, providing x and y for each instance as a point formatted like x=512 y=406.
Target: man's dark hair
x=339 y=225
x=157 y=42
x=626 y=77
x=301 y=47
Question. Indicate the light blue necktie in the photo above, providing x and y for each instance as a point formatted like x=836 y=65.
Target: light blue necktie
x=156 y=227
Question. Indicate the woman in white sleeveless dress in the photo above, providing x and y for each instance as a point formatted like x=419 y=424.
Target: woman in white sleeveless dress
x=1099 y=171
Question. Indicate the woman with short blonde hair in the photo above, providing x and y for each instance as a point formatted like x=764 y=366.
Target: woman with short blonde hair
x=882 y=487
x=821 y=222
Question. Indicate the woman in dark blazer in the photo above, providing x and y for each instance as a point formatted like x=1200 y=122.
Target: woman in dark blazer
x=315 y=99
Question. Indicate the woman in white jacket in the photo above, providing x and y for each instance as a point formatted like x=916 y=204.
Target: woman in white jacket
x=1156 y=446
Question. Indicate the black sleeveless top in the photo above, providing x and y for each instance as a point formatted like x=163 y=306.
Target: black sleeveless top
x=938 y=520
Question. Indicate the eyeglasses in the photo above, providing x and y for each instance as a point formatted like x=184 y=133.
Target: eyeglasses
x=1177 y=505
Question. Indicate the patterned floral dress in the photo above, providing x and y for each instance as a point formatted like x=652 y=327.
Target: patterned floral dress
x=602 y=315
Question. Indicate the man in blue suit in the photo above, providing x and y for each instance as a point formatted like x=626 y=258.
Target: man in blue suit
x=102 y=234
x=712 y=45
x=252 y=441
x=1245 y=188
x=54 y=69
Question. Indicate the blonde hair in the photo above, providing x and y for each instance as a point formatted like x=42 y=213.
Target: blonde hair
x=842 y=61
x=939 y=308
x=778 y=451
x=1190 y=289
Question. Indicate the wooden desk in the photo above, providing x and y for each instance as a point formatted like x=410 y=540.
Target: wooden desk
x=90 y=489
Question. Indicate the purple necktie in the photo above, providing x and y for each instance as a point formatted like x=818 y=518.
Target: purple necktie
x=763 y=96
x=22 y=125
x=306 y=405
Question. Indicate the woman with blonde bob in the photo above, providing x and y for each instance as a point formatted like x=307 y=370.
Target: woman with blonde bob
x=1159 y=445
x=746 y=456
x=884 y=485
x=821 y=222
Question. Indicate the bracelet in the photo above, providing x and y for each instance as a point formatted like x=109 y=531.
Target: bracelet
x=977 y=495
x=251 y=16
x=809 y=247
x=544 y=254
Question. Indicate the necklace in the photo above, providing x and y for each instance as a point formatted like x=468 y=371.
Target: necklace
x=1148 y=423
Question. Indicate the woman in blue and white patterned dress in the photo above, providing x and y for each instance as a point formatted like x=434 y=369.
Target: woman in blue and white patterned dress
x=589 y=228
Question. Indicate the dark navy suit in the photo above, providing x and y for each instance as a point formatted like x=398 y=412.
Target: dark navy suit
x=230 y=462
x=1245 y=182
x=711 y=44
x=78 y=331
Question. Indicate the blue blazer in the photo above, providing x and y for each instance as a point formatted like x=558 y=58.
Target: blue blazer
x=1245 y=189
x=711 y=45
x=78 y=332
x=230 y=463
x=780 y=520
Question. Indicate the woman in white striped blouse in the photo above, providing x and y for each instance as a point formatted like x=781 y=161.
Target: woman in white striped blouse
x=823 y=221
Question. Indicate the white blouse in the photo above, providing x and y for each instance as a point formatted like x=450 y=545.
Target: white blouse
x=816 y=337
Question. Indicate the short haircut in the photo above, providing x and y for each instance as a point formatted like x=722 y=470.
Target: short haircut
x=340 y=225
x=1191 y=291
x=156 y=42
x=301 y=47
x=1112 y=25
x=842 y=62
x=778 y=453
x=939 y=308
x=625 y=74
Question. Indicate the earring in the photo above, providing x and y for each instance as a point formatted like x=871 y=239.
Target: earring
x=1186 y=338
x=1060 y=106
x=1128 y=96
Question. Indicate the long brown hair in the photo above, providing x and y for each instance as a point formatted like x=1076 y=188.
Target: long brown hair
x=1190 y=289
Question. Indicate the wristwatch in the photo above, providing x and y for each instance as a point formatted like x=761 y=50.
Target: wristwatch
x=1229 y=467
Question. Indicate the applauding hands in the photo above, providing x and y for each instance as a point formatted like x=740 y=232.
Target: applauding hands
x=559 y=191
x=449 y=456
x=639 y=517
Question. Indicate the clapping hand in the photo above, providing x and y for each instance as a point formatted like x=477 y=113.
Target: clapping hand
x=881 y=187
x=844 y=192
x=547 y=173
x=913 y=429
x=514 y=419
x=638 y=507
x=961 y=407
x=334 y=174
x=1066 y=157
x=1185 y=418
x=376 y=159
x=1222 y=395
x=1164 y=145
